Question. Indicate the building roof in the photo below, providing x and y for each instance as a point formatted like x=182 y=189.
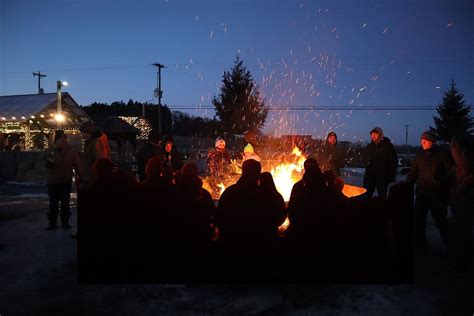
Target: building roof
x=25 y=105
x=19 y=108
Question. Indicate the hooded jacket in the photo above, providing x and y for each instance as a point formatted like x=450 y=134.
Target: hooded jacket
x=381 y=160
x=330 y=157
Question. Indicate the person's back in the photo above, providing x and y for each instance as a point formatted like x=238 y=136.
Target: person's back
x=158 y=200
x=307 y=213
x=240 y=206
x=273 y=207
x=105 y=203
x=96 y=146
x=196 y=208
x=147 y=151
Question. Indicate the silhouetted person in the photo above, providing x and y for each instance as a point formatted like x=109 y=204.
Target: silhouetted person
x=311 y=165
x=308 y=204
x=246 y=211
x=196 y=208
x=105 y=204
x=335 y=186
x=276 y=204
x=462 y=207
x=96 y=146
x=380 y=163
x=150 y=148
x=430 y=171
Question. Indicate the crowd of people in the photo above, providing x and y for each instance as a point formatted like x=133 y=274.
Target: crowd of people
x=164 y=227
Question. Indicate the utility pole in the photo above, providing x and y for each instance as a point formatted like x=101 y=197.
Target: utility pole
x=406 y=137
x=159 y=94
x=39 y=75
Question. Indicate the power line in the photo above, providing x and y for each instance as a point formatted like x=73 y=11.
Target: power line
x=318 y=108
x=273 y=64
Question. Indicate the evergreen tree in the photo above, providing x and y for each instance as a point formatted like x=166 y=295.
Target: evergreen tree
x=240 y=106
x=454 y=116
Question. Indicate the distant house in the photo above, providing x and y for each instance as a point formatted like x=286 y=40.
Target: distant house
x=26 y=121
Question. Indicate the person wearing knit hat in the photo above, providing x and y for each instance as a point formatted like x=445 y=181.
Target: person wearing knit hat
x=218 y=160
x=430 y=172
x=249 y=153
x=381 y=163
x=428 y=135
x=330 y=157
x=220 y=143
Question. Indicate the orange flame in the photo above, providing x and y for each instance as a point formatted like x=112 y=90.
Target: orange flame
x=288 y=173
x=222 y=187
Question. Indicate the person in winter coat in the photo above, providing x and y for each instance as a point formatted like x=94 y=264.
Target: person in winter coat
x=60 y=159
x=430 y=171
x=96 y=146
x=461 y=198
x=270 y=193
x=246 y=214
x=381 y=163
x=196 y=208
x=150 y=149
x=249 y=153
x=308 y=205
x=218 y=160
x=461 y=201
x=331 y=156
x=171 y=155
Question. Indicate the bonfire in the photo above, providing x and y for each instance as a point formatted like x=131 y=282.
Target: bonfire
x=286 y=172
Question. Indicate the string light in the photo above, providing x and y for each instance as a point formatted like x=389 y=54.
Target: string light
x=139 y=123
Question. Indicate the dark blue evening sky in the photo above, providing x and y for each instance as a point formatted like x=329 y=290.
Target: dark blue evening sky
x=300 y=53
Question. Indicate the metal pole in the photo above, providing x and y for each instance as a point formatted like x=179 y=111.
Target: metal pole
x=58 y=104
x=159 y=100
x=39 y=75
x=159 y=94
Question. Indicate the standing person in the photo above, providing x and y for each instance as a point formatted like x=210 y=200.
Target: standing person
x=430 y=171
x=61 y=159
x=461 y=201
x=218 y=160
x=381 y=163
x=96 y=146
x=150 y=148
x=249 y=153
x=172 y=158
x=331 y=156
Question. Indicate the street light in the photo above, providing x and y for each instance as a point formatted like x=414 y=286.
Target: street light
x=59 y=115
